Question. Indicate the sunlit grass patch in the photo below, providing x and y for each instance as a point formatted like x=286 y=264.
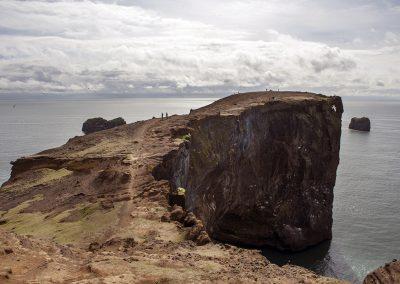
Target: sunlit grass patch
x=91 y=221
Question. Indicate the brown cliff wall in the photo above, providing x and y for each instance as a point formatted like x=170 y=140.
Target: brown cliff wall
x=264 y=176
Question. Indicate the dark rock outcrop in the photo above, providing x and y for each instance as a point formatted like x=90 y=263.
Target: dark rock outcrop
x=388 y=274
x=263 y=175
x=361 y=124
x=97 y=124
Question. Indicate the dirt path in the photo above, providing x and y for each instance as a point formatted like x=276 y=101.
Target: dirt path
x=137 y=155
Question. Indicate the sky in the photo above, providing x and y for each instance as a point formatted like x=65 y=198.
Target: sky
x=121 y=47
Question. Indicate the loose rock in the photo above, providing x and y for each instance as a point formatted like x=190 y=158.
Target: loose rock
x=166 y=217
x=190 y=220
x=203 y=238
x=388 y=274
x=8 y=250
x=107 y=204
x=177 y=214
x=94 y=246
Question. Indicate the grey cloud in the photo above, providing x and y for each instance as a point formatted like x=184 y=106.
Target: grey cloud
x=336 y=22
x=103 y=47
x=24 y=73
x=333 y=60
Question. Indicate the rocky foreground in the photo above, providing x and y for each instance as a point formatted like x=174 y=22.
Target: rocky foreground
x=387 y=274
x=255 y=169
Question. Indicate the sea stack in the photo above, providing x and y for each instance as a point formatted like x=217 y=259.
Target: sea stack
x=98 y=124
x=360 y=124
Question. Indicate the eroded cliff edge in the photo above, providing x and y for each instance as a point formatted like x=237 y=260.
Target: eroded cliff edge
x=258 y=168
x=262 y=172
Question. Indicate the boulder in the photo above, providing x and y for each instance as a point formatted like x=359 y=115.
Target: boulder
x=94 y=246
x=203 y=238
x=360 y=124
x=166 y=217
x=106 y=204
x=190 y=220
x=198 y=234
x=177 y=214
x=8 y=250
x=97 y=124
x=388 y=274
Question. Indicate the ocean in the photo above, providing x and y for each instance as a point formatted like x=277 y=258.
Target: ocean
x=366 y=227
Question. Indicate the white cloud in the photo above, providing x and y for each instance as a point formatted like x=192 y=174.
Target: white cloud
x=69 y=46
x=392 y=38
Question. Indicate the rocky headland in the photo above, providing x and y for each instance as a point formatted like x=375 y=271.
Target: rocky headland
x=170 y=200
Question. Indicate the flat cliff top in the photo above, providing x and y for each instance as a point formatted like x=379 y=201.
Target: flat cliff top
x=152 y=137
x=234 y=104
x=90 y=211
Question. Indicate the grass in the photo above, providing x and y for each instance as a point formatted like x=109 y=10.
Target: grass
x=186 y=137
x=45 y=176
x=151 y=267
x=91 y=222
x=141 y=227
x=88 y=210
x=208 y=265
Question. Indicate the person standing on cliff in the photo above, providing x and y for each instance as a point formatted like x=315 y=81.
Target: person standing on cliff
x=162 y=116
x=166 y=115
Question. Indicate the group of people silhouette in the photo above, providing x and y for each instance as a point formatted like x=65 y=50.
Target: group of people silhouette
x=162 y=115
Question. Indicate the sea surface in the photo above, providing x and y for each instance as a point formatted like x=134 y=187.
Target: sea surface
x=366 y=228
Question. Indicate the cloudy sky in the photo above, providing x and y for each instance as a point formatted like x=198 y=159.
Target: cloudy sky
x=344 y=47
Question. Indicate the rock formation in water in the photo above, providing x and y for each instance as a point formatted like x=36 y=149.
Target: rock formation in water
x=256 y=168
x=388 y=274
x=262 y=175
x=98 y=124
x=360 y=124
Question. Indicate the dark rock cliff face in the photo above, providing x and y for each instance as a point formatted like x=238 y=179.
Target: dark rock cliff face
x=264 y=176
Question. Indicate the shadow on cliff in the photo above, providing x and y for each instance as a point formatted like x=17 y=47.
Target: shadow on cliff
x=324 y=259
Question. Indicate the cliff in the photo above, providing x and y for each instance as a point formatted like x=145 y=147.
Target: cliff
x=264 y=174
x=255 y=168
